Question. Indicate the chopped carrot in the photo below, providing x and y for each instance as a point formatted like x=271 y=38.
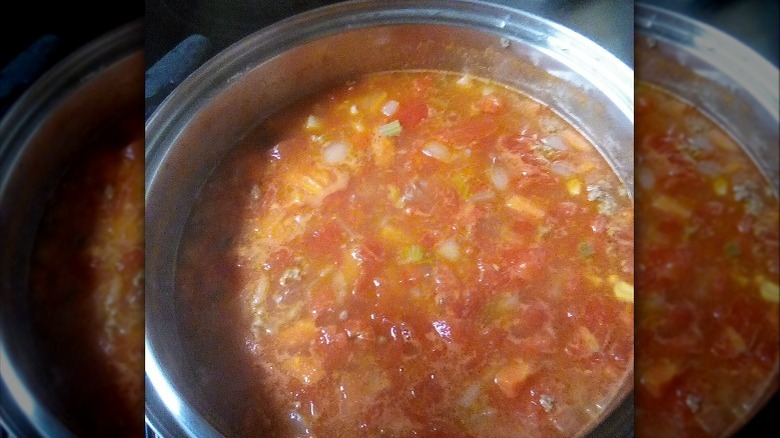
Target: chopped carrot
x=299 y=335
x=671 y=206
x=720 y=139
x=575 y=140
x=524 y=206
x=303 y=368
x=657 y=377
x=512 y=375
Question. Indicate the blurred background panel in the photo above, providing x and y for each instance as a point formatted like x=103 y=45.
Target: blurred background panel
x=754 y=23
x=34 y=37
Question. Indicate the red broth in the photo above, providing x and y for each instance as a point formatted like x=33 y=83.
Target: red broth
x=707 y=301
x=411 y=253
x=86 y=287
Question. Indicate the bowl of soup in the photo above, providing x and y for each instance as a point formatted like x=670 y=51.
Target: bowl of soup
x=707 y=261
x=405 y=218
x=71 y=199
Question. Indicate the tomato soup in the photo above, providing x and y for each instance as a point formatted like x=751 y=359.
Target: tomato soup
x=86 y=287
x=411 y=253
x=707 y=300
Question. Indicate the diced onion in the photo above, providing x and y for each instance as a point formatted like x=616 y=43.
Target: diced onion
x=710 y=168
x=449 y=249
x=335 y=152
x=312 y=122
x=469 y=395
x=646 y=178
x=562 y=168
x=701 y=143
x=390 y=107
x=555 y=142
x=485 y=195
x=437 y=150
x=464 y=81
x=551 y=124
x=499 y=178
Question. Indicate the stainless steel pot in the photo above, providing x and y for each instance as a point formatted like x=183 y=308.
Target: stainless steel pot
x=210 y=111
x=724 y=78
x=39 y=136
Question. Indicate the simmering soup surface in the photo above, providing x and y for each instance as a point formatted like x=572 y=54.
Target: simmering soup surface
x=411 y=253
x=707 y=306
x=86 y=285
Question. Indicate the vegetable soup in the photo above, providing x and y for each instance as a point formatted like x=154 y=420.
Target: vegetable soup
x=410 y=253
x=707 y=306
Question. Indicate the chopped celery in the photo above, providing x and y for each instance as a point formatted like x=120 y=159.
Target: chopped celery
x=542 y=231
x=732 y=249
x=391 y=129
x=586 y=249
x=412 y=254
x=461 y=183
x=395 y=196
x=769 y=291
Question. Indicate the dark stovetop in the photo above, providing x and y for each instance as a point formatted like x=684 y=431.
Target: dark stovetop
x=38 y=34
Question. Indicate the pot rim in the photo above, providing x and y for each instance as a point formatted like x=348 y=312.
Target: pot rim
x=21 y=412
x=167 y=411
x=724 y=52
